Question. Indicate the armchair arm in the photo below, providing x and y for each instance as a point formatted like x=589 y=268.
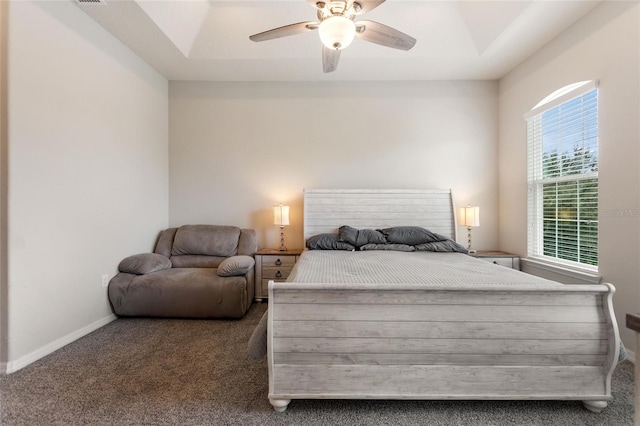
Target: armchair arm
x=235 y=265
x=144 y=263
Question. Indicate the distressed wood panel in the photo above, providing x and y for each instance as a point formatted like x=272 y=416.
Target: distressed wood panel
x=421 y=381
x=439 y=330
x=395 y=195
x=435 y=359
x=327 y=210
x=456 y=313
x=442 y=228
x=400 y=197
x=330 y=211
x=435 y=297
x=438 y=346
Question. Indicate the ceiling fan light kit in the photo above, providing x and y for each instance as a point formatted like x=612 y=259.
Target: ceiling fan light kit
x=337 y=29
x=337 y=32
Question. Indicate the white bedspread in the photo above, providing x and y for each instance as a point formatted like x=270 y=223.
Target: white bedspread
x=388 y=267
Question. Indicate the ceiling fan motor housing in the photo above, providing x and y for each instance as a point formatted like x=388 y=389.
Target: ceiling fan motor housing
x=337 y=8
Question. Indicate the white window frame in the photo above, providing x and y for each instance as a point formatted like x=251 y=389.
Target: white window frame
x=535 y=181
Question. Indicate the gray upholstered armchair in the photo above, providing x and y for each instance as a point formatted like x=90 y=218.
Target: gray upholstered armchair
x=195 y=271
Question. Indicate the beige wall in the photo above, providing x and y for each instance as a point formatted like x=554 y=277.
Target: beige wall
x=3 y=185
x=603 y=46
x=237 y=149
x=87 y=172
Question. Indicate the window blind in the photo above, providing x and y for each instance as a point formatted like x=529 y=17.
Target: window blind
x=562 y=155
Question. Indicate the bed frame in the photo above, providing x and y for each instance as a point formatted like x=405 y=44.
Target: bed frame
x=401 y=341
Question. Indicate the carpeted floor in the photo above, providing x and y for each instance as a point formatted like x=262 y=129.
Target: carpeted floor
x=191 y=372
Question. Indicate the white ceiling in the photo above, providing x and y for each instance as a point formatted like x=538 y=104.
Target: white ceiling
x=209 y=39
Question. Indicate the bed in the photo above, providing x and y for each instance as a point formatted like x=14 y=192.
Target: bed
x=453 y=328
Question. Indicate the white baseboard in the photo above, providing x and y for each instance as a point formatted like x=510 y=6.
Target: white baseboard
x=13 y=366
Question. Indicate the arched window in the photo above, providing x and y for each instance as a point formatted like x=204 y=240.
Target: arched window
x=562 y=156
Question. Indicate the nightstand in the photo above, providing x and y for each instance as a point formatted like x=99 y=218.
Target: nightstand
x=272 y=264
x=499 y=258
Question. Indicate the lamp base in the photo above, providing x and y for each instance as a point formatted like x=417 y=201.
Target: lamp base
x=469 y=249
x=282 y=247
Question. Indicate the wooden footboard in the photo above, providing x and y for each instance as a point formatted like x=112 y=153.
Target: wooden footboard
x=362 y=341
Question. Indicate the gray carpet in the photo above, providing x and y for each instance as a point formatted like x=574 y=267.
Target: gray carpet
x=191 y=372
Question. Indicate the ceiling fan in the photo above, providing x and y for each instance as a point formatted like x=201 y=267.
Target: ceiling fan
x=337 y=29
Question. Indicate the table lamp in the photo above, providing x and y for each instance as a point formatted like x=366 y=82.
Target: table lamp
x=469 y=217
x=281 y=219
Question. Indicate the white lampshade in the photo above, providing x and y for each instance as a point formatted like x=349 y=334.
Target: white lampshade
x=469 y=216
x=337 y=32
x=281 y=215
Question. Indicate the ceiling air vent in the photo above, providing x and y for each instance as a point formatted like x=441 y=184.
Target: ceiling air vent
x=103 y=2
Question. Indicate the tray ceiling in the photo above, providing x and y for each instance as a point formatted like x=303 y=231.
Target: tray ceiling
x=209 y=40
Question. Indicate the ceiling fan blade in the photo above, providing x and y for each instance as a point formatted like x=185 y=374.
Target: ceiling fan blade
x=330 y=59
x=378 y=33
x=287 y=30
x=364 y=6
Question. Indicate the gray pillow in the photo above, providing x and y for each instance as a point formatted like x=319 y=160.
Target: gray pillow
x=410 y=235
x=360 y=237
x=371 y=236
x=235 y=265
x=447 y=245
x=347 y=234
x=327 y=242
x=144 y=263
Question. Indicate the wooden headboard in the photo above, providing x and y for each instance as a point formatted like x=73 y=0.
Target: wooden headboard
x=325 y=210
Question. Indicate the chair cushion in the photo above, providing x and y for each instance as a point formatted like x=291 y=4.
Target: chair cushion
x=196 y=261
x=165 y=242
x=209 y=240
x=180 y=293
